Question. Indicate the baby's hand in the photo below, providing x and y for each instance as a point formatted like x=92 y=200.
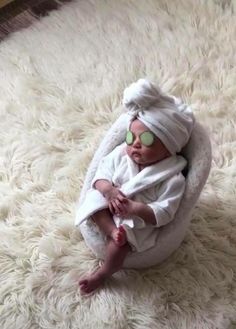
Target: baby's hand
x=127 y=208
x=113 y=193
x=114 y=197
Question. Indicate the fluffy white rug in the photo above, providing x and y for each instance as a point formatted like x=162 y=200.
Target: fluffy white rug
x=61 y=82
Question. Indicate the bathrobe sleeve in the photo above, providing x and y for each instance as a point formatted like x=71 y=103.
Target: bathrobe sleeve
x=94 y=200
x=108 y=165
x=169 y=196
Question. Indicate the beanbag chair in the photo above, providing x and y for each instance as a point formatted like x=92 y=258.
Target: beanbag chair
x=197 y=152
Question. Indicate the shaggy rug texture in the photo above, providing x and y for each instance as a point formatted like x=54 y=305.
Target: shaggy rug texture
x=61 y=82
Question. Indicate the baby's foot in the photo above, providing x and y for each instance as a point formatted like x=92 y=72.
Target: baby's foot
x=91 y=282
x=118 y=235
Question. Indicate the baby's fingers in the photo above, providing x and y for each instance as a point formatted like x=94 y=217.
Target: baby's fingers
x=121 y=198
x=111 y=208
x=123 y=211
x=114 y=207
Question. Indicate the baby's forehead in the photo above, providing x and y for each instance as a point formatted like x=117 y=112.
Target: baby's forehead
x=137 y=125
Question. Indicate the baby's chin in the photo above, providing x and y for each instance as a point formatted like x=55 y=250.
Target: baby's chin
x=138 y=160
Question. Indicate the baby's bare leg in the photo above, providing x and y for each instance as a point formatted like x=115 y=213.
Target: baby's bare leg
x=115 y=256
x=104 y=221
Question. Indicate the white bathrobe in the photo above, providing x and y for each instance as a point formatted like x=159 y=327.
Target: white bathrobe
x=160 y=186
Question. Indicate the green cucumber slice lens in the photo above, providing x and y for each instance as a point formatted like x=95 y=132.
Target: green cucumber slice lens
x=147 y=138
x=129 y=138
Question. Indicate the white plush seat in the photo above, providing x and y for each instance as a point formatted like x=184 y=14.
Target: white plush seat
x=198 y=154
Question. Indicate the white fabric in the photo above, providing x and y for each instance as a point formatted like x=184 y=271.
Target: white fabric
x=167 y=117
x=161 y=186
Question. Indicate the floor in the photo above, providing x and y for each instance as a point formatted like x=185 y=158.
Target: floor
x=21 y=13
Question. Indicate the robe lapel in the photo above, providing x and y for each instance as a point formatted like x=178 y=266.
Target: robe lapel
x=152 y=175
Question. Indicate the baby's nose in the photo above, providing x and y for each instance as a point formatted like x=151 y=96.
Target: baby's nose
x=137 y=143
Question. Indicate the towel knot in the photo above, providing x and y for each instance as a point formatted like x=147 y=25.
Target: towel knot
x=140 y=95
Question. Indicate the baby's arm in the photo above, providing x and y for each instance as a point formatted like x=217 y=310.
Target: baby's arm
x=129 y=207
x=108 y=190
x=144 y=211
x=103 y=186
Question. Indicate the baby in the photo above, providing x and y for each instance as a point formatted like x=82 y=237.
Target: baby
x=139 y=185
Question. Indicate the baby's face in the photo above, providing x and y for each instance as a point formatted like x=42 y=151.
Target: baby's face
x=145 y=155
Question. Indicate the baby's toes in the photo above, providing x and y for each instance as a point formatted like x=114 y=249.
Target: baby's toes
x=119 y=237
x=121 y=229
x=122 y=235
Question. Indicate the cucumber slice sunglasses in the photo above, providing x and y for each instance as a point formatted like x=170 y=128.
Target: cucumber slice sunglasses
x=146 y=138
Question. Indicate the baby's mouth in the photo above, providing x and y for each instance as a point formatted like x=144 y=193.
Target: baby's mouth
x=136 y=154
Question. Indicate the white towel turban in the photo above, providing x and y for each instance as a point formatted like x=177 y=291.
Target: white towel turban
x=167 y=117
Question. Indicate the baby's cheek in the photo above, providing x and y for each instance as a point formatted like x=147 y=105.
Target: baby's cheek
x=128 y=151
x=151 y=150
x=149 y=154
